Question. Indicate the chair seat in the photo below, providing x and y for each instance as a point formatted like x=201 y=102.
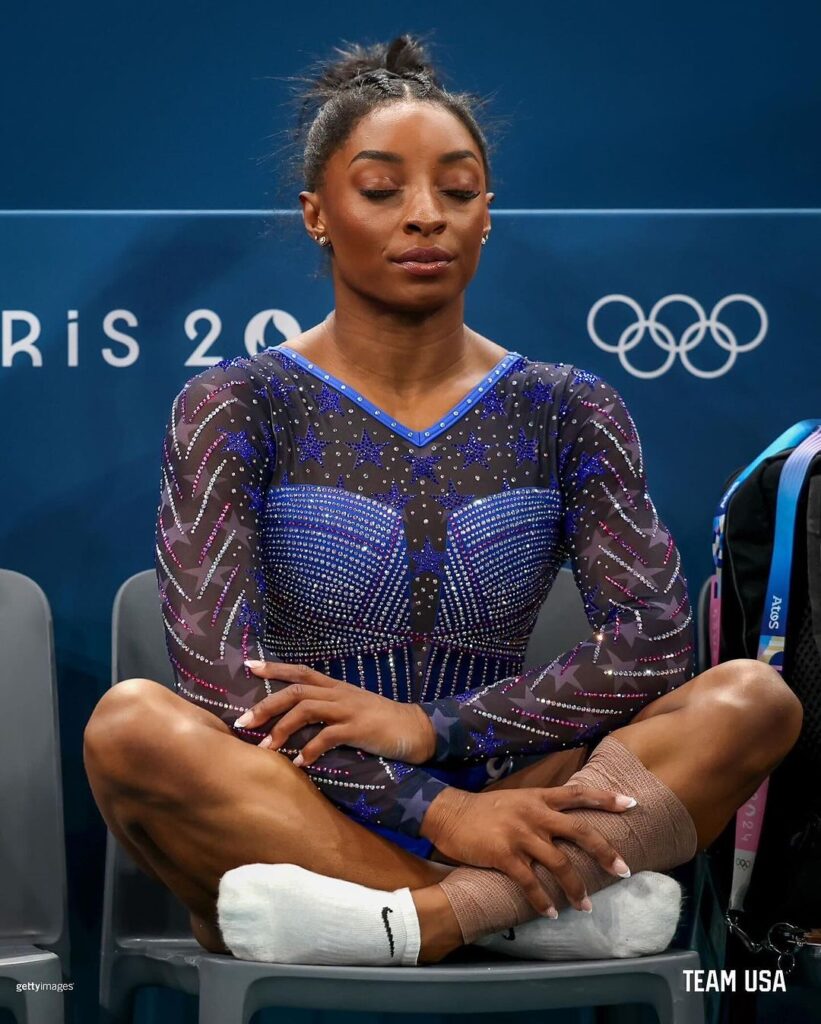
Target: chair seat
x=19 y=953
x=481 y=983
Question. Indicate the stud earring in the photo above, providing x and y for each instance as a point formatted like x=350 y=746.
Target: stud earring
x=323 y=240
x=485 y=238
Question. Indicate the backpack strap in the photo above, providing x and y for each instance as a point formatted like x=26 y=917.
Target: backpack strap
x=771 y=645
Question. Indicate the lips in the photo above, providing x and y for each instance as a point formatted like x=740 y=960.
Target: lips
x=424 y=254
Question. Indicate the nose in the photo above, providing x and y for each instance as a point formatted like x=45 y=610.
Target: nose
x=424 y=213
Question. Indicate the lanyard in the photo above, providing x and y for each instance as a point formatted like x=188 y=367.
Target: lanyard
x=807 y=437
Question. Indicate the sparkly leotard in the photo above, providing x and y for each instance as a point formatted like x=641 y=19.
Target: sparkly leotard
x=299 y=522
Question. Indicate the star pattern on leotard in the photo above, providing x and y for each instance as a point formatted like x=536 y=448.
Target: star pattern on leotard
x=200 y=574
x=453 y=499
x=491 y=404
x=329 y=400
x=179 y=534
x=584 y=377
x=428 y=559
x=422 y=466
x=362 y=809
x=256 y=498
x=368 y=450
x=588 y=465
x=268 y=440
x=242 y=532
x=394 y=497
x=529 y=704
x=473 y=450
x=237 y=441
x=539 y=392
x=443 y=723
x=280 y=389
x=415 y=807
x=523 y=448
x=189 y=626
x=487 y=742
x=311 y=447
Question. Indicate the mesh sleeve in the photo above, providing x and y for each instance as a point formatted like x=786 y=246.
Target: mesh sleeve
x=628 y=570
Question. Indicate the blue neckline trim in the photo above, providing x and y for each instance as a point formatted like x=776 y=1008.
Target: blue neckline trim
x=419 y=437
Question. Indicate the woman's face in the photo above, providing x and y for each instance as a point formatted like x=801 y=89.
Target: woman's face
x=409 y=175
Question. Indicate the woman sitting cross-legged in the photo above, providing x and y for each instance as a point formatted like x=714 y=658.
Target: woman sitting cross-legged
x=356 y=531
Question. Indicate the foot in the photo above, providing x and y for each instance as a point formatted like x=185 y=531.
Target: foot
x=438 y=926
x=634 y=917
x=207 y=934
x=283 y=913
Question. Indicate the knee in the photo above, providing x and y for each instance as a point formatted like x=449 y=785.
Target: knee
x=759 y=705
x=125 y=726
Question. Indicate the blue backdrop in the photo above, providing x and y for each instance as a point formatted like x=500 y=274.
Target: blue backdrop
x=104 y=316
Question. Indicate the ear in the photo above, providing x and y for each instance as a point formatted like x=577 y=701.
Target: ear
x=311 y=216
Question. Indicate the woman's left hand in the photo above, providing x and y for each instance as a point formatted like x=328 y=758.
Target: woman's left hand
x=352 y=716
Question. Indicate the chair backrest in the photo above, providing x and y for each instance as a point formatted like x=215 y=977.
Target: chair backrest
x=134 y=904
x=138 y=649
x=33 y=889
x=562 y=622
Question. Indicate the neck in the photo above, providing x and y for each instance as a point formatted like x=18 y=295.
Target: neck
x=404 y=354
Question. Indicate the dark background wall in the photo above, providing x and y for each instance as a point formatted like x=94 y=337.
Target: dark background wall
x=174 y=104
x=150 y=106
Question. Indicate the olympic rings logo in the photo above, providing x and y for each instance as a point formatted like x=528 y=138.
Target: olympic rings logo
x=721 y=334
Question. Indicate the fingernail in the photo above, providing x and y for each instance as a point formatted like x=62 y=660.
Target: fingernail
x=298 y=761
x=621 y=868
x=552 y=912
x=625 y=801
x=244 y=719
x=251 y=663
x=586 y=905
x=266 y=742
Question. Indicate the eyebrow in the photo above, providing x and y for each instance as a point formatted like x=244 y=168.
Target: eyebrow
x=395 y=158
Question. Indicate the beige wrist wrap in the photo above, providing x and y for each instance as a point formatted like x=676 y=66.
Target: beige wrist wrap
x=656 y=835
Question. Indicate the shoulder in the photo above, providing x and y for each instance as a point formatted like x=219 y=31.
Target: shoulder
x=240 y=378
x=569 y=383
x=232 y=396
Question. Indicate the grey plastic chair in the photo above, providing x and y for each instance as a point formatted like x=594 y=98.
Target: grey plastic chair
x=34 y=944
x=146 y=939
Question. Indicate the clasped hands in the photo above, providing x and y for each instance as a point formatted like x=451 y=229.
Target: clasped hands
x=509 y=829
x=351 y=715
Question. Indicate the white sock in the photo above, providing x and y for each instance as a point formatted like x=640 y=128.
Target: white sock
x=633 y=917
x=282 y=913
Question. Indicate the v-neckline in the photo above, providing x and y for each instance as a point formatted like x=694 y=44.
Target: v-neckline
x=418 y=437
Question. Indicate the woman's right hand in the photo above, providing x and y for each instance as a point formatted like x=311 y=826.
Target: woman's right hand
x=507 y=829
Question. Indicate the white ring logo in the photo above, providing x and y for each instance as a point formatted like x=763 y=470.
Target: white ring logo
x=663 y=337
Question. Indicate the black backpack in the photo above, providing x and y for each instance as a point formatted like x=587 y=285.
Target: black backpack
x=783 y=901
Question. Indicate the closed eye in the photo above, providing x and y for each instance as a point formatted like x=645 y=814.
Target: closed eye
x=463 y=195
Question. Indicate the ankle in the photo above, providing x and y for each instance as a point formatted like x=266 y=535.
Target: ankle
x=439 y=929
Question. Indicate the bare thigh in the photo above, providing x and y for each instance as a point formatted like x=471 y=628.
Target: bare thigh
x=190 y=800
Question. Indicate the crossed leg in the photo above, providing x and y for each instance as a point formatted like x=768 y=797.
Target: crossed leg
x=189 y=801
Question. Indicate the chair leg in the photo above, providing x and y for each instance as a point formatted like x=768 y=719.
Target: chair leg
x=222 y=1001
x=44 y=1006
x=673 y=1004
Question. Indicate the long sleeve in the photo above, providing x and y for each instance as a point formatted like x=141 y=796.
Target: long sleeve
x=219 y=458
x=628 y=571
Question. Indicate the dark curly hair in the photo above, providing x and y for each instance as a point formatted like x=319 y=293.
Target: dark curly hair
x=336 y=94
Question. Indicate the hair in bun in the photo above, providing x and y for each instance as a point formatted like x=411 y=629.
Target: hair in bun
x=338 y=92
